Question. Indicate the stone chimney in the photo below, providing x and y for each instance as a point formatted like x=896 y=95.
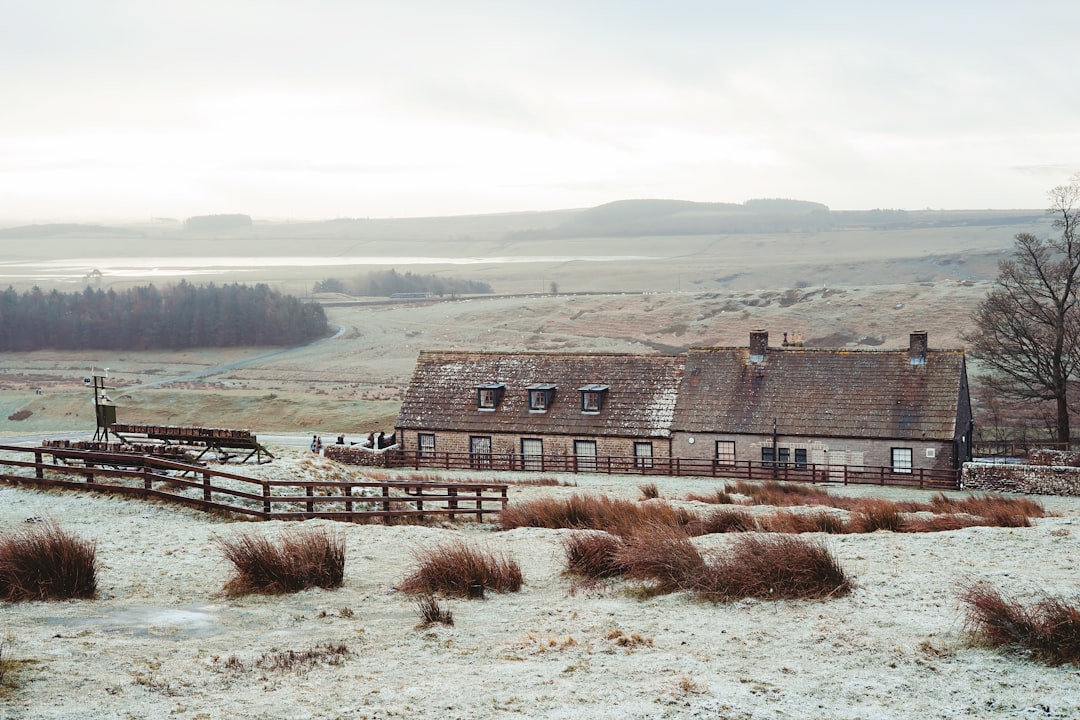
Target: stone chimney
x=759 y=344
x=917 y=348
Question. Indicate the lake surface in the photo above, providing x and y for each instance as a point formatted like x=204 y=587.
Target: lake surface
x=73 y=268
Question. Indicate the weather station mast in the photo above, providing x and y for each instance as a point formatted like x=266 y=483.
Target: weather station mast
x=104 y=408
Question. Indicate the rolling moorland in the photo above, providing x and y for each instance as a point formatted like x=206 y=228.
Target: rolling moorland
x=634 y=276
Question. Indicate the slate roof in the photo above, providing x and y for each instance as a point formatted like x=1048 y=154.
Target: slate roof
x=819 y=392
x=639 y=400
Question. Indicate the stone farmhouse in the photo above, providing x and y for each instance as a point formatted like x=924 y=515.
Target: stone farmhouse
x=792 y=407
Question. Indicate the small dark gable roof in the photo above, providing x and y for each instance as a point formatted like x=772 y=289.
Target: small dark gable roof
x=817 y=392
x=639 y=402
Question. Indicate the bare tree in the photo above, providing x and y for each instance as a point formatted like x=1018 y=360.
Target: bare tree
x=1028 y=327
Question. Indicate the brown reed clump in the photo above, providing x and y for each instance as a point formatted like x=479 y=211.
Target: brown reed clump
x=45 y=562
x=299 y=560
x=649 y=491
x=873 y=514
x=664 y=556
x=1048 y=631
x=459 y=570
x=779 y=494
x=939 y=523
x=720 y=497
x=724 y=520
x=588 y=512
x=795 y=523
x=593 y=555
x=432 y=612
x=773 y=568
x=987 y=505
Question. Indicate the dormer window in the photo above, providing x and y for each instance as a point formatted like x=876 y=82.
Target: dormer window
x=592 y=398
x=488 y=395
x=540 y=397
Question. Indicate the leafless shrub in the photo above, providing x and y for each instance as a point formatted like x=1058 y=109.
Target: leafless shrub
x=459 y=570
x=302 y=559
x=774 y=567
x=45 y=562
x=432 y=612
x=593 y=555
x=1048 y=631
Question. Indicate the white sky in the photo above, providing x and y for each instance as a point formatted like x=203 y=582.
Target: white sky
x=115 y=109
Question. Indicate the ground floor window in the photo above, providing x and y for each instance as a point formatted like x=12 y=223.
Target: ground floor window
x=643 y=455
x=725 y=452
x=768 y=455
x=425 y=443
x=901 y=460
x=783 y=455
x=532 y=454
x=585 y=455
x=800 y=458
x=480 y=451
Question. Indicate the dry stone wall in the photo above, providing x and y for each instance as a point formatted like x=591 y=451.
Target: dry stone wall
x=1029 y=479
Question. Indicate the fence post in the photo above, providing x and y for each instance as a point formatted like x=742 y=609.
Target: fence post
x=386 y=494
x=39 y=472
x=310 y=492
x=479 y=505
x=348 y=503
x=146 y=482
x=452 y=503
x=266 y=497
x=205 y=486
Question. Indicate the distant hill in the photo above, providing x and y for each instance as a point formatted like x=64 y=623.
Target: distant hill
x=66 y=229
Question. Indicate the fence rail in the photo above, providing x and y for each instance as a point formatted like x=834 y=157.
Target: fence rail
x=218 y=491
x=678 y=467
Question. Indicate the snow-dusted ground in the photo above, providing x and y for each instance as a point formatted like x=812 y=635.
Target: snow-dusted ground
x=160 y=639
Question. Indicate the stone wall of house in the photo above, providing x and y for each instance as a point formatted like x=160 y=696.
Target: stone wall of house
x=1029 y=479
x=510 y=444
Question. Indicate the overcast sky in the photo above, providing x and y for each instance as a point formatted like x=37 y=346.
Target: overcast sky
x=355 y=108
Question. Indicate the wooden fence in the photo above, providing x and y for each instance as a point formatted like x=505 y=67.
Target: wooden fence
x=217 y=491
x=673 y=466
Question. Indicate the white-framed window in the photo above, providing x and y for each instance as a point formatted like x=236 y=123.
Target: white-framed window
x=643 y=455
x=532 y=454
x=800 y=458
x=901 y=460
x=585 y=455
x=480 y=451
x=425 y=444
x=725 y=452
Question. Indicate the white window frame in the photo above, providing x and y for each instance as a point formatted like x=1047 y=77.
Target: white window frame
x=425 y=444
x=643 y=460
x=725 y=459
x=902 y=460
x=585 y=462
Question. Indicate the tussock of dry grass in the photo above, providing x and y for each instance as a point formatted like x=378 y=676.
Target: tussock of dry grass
x=720 y=497
x=773 y=568
x=432 y=612
x=460 y=570
x=1048 y=631
x=45 y=562
x=589 y=512
x=794 y=523
x=873 y=514
x=302 y=559
x=593 y=555
x=663 y=556
x=724 y=520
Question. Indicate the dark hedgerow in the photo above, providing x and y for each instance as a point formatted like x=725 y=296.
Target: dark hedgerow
x=45 y=562
x=299 y=560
